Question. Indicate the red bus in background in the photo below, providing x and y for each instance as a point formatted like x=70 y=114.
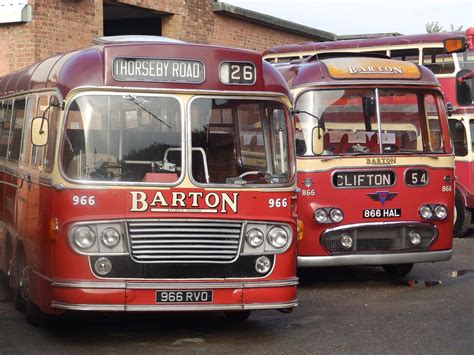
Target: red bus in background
x=374 y=161
x=450 y=56
x=148 y=176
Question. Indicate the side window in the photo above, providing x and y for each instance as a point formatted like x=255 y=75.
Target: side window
x=437 y=61
x=408 y=55
x=37 y=152
x=16 y=133
x=5 y=124
x=458 y=135
x=26 y=147
x=50 y=147
x=434 y=128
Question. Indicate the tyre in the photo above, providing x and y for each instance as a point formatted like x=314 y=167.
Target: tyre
x=237 y=316
x=398 y=270
x=19 y=285
x=463 y=218
x=34 y=315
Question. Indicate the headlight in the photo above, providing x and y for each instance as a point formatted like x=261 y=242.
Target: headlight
x=84 y=237
x=426 y=212
x=278 y=237
x=440 y=212
x=254 y=237
x=336 y=215
x=110 y=237
x=320 y=216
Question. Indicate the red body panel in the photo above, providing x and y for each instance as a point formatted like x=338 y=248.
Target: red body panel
x=353 y=201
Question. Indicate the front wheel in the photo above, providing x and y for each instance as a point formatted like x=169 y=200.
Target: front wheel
x=398 y=270
x=237 y=316
x=463 y=217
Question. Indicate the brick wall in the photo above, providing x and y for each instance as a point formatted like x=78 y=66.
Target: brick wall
x=64 y=25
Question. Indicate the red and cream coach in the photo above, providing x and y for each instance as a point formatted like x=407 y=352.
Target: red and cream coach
x=148 y=176
x=374 y=163
x=450 y=56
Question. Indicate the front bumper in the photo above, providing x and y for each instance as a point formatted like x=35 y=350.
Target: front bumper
x=375 y=259
x=138 y=296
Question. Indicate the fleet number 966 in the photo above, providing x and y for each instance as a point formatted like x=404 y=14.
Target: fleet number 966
x=278 y=202
x=83 y=200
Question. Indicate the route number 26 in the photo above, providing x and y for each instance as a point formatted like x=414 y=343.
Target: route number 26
x=83 y=200
x=279 y=202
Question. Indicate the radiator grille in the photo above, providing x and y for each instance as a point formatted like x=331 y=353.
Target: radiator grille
x=184 y=241
x=379 y=239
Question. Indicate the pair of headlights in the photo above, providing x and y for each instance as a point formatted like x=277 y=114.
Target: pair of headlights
x=328 y=215
x=96 y=238
x=433 y=212
x=277 y=237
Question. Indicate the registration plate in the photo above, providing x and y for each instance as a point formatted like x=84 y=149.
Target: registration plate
x=382 y=213
x=184 y=296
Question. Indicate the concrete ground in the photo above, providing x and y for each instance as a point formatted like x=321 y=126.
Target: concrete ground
x=342 y=310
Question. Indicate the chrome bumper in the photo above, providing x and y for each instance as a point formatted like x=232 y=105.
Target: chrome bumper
x=375 y=259
x=172 y=308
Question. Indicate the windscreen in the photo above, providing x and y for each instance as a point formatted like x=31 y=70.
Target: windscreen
x=345 y=122
x=240 y=142
x=123 y=138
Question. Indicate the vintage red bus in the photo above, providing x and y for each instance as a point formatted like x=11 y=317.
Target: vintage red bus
x=450 y=56
x=148 y=176
x=374 y=163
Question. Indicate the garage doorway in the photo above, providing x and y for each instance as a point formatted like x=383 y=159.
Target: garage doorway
x=121 y=19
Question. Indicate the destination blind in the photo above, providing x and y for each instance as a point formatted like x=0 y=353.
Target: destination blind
x=158 y=70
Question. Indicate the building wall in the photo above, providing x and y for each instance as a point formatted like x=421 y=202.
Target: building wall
x=64 y=25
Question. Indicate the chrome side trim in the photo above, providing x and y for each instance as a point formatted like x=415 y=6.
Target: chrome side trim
x=375 y=259
x=175 y=285
x=89 y=307
x=172 y=307
x=89 y=284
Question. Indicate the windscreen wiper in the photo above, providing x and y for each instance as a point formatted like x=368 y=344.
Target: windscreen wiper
x=140 y=104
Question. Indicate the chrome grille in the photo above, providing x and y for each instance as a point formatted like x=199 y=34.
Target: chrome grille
x=184 y=241
x=378 y=238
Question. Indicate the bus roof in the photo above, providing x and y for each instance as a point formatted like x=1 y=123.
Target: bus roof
x=372 y=42
x=92 y=67
x=347 y=70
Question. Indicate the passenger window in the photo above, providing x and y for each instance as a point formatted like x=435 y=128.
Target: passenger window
x=50 y=147
x=5 y=124
x=438 y=61
x=434 y=129
x=37 y=152
x=26 y=148
x=17 y=130
x=458 y=135
x=408 y=55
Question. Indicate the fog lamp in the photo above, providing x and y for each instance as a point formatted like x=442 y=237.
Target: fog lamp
x=440 y=212
x=415 y=238
x=346 y=241
x=263 y=265
x=102 y=266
